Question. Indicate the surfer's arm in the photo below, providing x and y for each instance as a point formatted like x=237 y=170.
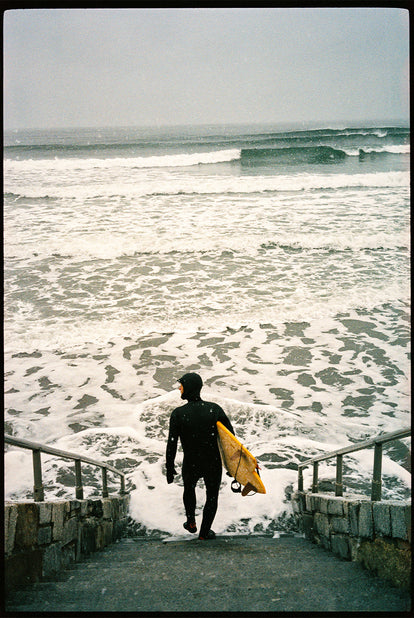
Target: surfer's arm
x=223 y=418
x=172 y=448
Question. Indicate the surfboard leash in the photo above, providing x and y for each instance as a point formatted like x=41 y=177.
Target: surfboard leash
x=235 y=485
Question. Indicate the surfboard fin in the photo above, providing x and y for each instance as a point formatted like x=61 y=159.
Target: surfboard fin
x=247 y=489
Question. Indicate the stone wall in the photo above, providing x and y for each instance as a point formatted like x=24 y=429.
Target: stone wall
x=42 y=538
x=377 y=534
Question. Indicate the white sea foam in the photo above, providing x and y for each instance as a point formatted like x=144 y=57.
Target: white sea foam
x=126 y=424
x=112 y=246
x=288 y=292
x=157 y=506
x=63 y=184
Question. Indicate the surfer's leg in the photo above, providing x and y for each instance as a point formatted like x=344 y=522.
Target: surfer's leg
x=212 y=480
x=190 y=479
x=189 y=499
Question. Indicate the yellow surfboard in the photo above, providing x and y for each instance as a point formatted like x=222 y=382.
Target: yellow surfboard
x=238 y=461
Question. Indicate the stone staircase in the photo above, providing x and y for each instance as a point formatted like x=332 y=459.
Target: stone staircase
x=229 y=574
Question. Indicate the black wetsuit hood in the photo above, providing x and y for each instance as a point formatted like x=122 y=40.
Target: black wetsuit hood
x=192 y=384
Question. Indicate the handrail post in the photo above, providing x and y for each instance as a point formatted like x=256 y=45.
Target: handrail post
x=104 y=483
x=78 y=476
x=376 y=477
x=315 y=477
x=123 y=485
x=338 y=483
x=38 y=490
x=300 y=479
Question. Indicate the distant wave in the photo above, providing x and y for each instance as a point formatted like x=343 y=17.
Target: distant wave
x=88 y=146
x=379 y=131
x=29 y=140
x=313 y=154
x=293 y=155
x=184 y=160
x=176 y=160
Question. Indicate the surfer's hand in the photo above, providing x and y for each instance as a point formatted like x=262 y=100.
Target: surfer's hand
x=170 y=476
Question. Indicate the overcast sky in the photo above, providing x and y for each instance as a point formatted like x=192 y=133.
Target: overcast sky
x=108 y=67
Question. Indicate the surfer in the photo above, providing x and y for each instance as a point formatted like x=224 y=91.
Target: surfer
x=195 y=424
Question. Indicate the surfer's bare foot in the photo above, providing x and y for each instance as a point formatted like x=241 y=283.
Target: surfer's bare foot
x=191 y=526
x=210 y=535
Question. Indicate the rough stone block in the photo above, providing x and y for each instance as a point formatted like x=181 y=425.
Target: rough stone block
x=75 y=506
x=325 y=542
x=58 y=517
x=45 y=513
x=119 y=528
x=308 y=502
x=108 y=532
x=126 y=500
x=79 y=542
x=340 y=546
x=307 y=525
x=84 y=508
x=68 y=553
x=408 y=521
x=398 y=521
x=26 y=525
x=353 y=512
x=382 y=518
x=70 y=530
x=107 y=508
x=10 y=520
x=354 y=545
x=387 y=560
x=340 y=524
x=44 y=535
x=315 y=502
x=51 y=534
x=88 y=542
x=365 y=523
x=99 y=536
x=52 y=560
x=335 y=506
x=22 y=568
x=321 y=523
x=116 y=508
x=323 y=504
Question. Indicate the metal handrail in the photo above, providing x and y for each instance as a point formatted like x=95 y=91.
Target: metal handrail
x=36 y=448
x=376 y=477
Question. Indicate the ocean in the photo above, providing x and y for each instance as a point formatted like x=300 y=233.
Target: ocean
x=274 y=261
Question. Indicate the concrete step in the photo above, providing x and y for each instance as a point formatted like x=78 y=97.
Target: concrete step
x=255 y=574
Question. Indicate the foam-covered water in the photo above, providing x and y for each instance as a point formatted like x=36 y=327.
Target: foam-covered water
x=275 y=263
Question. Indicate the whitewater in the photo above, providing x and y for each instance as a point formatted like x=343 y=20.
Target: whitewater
x=279 y=273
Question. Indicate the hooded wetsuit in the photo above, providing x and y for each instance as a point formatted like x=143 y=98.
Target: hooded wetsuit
x=195 y=424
